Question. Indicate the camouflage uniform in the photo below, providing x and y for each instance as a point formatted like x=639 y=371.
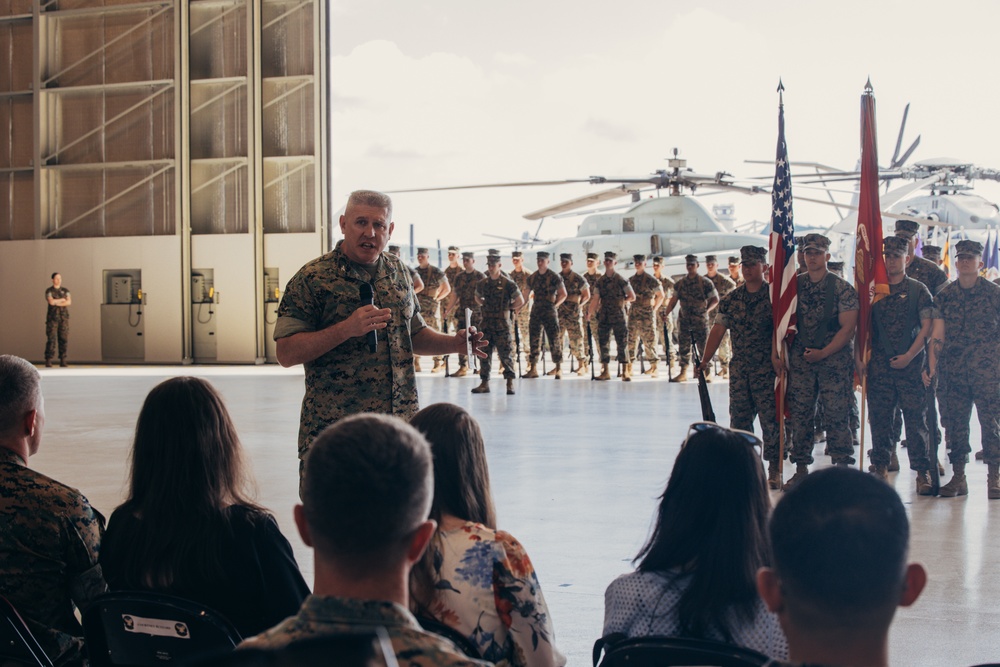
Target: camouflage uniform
x=543 y=315
x=640 y=316
x=933 y=278
x=569 y=316
x=49 y=540
x=56 y=325
x=464 y=287
x=898 y=316
x=523 y=317
x=348 y=379
x=723 y=285
x=748 y=317
x=497 y=296
x=663 y=320
x=693 y=294
x=611 y=317
x=830 y=380
x=325 y=615
x=970 y=366
x=432 y=277
x=591 y=324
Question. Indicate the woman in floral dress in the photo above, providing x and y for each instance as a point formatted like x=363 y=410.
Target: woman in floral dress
x=473 y=577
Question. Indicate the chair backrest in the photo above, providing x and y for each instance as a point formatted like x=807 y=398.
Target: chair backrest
x=16 y=641
x=463 y=643
x=138 y=629
x=672 y=651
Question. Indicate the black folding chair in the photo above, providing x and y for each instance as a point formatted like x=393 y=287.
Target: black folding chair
x=671 y=652
x=17 y=644
x=137 y=629
x=457 y=638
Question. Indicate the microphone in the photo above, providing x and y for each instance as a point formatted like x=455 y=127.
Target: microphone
x=368 y=298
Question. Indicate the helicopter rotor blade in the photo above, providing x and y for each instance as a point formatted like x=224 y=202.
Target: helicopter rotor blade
x=908 y=153
x=899 y=139
x=497 y=185
x=577 y=202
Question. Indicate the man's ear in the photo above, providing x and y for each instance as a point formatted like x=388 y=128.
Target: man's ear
x=30 y=422
x=302 y=524
x=421 y=538
x=769 y=589
x=913 y=584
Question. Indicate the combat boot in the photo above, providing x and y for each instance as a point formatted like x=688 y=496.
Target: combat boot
x=532 y=371
x=48 y=363
x=62 y=363
x=881 y=472
x=801 y=472
x=438 y=366
x=627 y=375
x=993 y=482
x=554 y=371
x=924 y=487
x=510 y=386
x=416 y=364
x=653 y=372
x=461 y=372
x=773 y=476
x=557 y=371
x=584 y=367
x=483 y=388
x=724 y=370
x=605 y=375
x=707 y=374
x=681 y=374
x=958 y=486
x=893 y=462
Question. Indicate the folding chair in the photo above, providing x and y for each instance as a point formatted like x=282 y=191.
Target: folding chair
x=671 y=652
x=16 y=641
x=138 y=629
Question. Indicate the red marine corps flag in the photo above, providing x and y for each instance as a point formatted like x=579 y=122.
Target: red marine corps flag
x=870 y=277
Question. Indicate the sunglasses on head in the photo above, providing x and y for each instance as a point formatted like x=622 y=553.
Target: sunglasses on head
x=704 y=427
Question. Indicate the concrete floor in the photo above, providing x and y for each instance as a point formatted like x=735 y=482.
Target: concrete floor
x=576 y=469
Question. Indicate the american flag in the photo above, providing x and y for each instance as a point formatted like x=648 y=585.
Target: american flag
x=781 y=257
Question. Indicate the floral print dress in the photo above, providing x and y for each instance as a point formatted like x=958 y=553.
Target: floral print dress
x=486 y=588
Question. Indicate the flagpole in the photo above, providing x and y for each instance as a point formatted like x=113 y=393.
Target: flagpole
x=864 y=403
x=781 y=415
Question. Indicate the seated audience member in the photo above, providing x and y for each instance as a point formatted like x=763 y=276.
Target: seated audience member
x=840 y=544
x=366 y=494
x=473 y=577
x=189 y=527
x=49 y=534
x=696 y=574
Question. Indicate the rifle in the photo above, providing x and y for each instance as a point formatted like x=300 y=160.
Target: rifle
x=517 y=340
x=932 y=426
x=707 y=413
x=444 y=325
x=642 y=358
x=590 y=349
x=666 y=342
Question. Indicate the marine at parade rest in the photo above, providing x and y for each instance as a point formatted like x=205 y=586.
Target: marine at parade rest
x=734 y=270
x=548 y=292
x=520 y=278
x=463 y=296
x=697 y=295
x=723 y=285
x=641 y=324
x=577 y=296
x=497 y=295
x=611 y=293
x=591 y=275
x=436 y=289
x=664 y=323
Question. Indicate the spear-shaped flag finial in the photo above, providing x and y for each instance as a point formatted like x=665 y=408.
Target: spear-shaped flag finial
x=781 y=89
x=868 y=86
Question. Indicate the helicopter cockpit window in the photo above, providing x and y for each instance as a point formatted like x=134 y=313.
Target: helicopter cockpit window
x=628 y=224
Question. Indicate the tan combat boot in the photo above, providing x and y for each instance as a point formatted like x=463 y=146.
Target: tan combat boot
x=801 y=472
x=605 y=375
x=993 y=482
x=882 y=472
x=461 y=372
x=681 y=374
x=416 y=364
x=627 y=375
x=924 y=487
x=438 y=366
x=554 y=371
x=708 y=374
x=510 y=386
x=773 y=476
x=557 y=371
x=958 y=486
x=653 y=372
x=723 y=369
x=483 y=388
x=584 y=367
x=532 y=371
x=893 y=462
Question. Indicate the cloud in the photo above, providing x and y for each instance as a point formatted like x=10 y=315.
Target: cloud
x=519 y=59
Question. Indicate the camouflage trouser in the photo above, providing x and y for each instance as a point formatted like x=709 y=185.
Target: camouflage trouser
x=957 y=396
x=429 y=309
x=890 y=390
x=569 y=326
x=523 y=321
x=499 y=333
x=56 y=333
x=606 y=323
x=668 y=347
x=725 y=351
x=687 y=326
x=751 y=394
x=830 y=382
x=463 y=360
x=591 y=326
x=543 y=316
x=641 y=327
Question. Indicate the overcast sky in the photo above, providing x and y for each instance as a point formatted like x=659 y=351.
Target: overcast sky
x=453 y=92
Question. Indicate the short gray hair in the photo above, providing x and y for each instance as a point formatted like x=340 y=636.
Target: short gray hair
x=20 y=390
x=371 y=198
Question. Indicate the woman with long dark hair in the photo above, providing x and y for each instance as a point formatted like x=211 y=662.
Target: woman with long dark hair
x=473 y=577
x=696 y=575
x=189 y=526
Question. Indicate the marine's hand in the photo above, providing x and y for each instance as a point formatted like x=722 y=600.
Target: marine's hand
x=925 y=376
x=367 y=318
x=900 y=362
x=478 y=342
x=813 y=355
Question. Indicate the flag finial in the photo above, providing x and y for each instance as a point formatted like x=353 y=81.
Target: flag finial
x=868 y=86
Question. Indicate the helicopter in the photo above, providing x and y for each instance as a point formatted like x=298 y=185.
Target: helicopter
x=671 y=226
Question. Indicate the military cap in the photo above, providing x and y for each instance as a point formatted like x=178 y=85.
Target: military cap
x=468 y=255
x=836 y=267
x=453 y=248
x=752 y=254
x=493 y=251
x=638 y=258
x=932 y=251
x=733 y=259
x=566 y=256
x=657 y=260
x=394 y=248
x=691 y=259
x=907 y=228
x=799 y=240
x=815 y=242
x=542 y=254
x=591 y=255
x=968 y=247
x=709 y=259
x=423 y=251
x=610 y=255
x=895 y=245
x=493 y=259
x=516 y=253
